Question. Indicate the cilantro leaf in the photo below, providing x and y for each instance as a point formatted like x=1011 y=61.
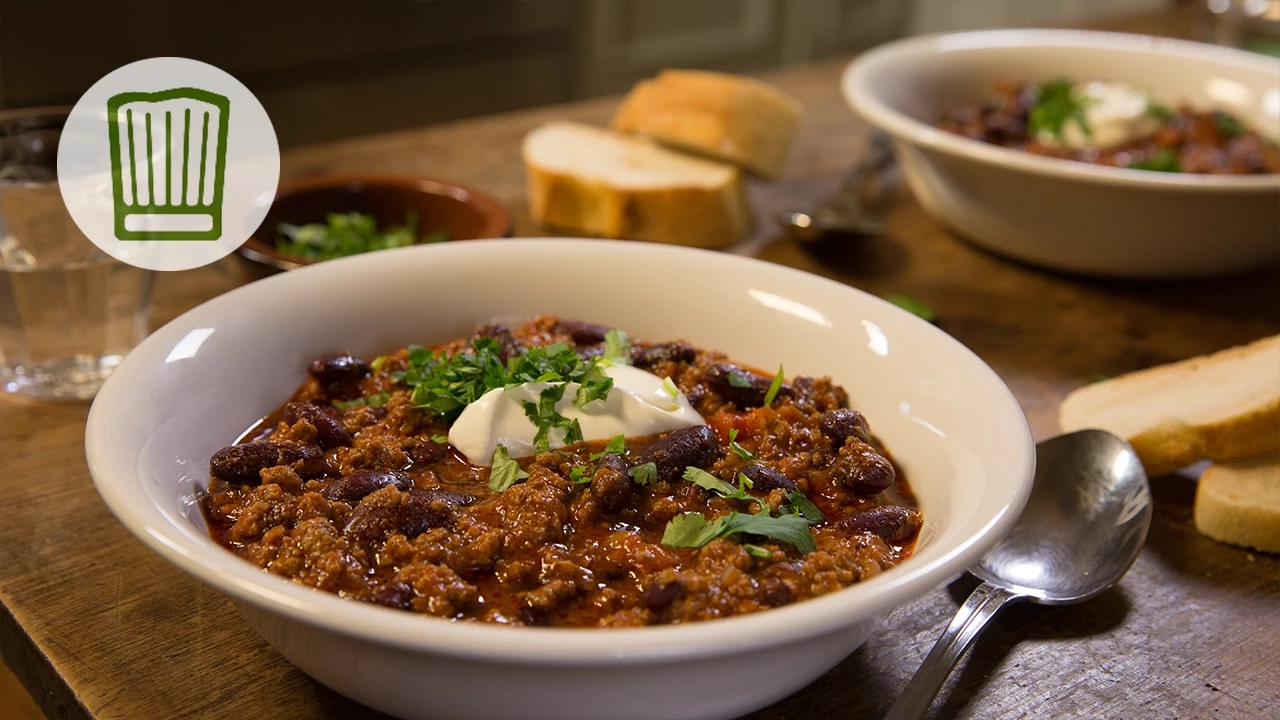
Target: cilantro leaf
x=545 y=416
x=1159 y=110
x=374 y=400
x=1055 y=105
x=774 y=387
x=737 y=449
x=1227 y=124
x=913 y=306
x=442 y=439
x=1164 y=160
x=578 y=475
x=692 y=530
x=616 y=446
x=646 y=474
x=593 y=389
x=343 y=234
x=707 y=481
x=377 y=363
x=504 y=471
x=738 y=380
x=804 y=507
x=617 y=348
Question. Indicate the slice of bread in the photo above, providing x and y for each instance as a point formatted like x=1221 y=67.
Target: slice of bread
x=596 y=182
x=1219 y=407
x=1238 y=502
x=728 y=117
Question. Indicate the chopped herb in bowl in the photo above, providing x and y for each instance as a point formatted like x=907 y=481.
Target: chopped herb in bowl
x=351 y=233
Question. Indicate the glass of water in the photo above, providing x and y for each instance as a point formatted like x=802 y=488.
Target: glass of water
x=68 y=311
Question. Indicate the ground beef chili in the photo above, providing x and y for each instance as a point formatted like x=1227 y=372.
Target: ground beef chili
x=349 y=489
x=1191 y=141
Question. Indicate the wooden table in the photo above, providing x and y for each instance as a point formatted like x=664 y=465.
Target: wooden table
x=97 y=626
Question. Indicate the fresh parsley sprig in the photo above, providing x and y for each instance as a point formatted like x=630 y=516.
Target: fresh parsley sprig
x=737 y=449
x=693 y=530
x=504 y=471
x=1056 y=104
x=707 y=481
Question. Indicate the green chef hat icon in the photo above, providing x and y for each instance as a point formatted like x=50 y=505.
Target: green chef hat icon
x=168 y=163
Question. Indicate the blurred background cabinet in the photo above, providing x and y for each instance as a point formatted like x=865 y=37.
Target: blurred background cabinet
x=326 y=70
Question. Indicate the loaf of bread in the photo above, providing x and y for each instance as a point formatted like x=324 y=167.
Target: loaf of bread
x=727 y=117
x=1238 y=502
x=595 y=182
x=1220 y=407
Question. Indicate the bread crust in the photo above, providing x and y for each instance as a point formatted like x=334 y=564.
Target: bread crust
x=1239 y=502
x=736 y=119
x=680 y=215
x=1166 y=445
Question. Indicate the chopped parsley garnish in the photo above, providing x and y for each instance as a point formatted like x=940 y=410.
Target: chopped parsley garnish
x=1055 y=105
x=692 y=530
x=757 y=551
x=544 y=415
x=738 y=380
x=1227 y=124
x=1159 y=111
x=737 y=449
x=504 y=471
x=617 y=348
x=1164 y=160
x=377 y=363
x=804 y=507
x=616 y=446
x=669 y=385
x=343 y=234
x=579 y=475
x=442 y=439
x=595 y=386
x=707 y=481
x=646 y=474
x=374 y=400
x=774 y=387
x=913 y=306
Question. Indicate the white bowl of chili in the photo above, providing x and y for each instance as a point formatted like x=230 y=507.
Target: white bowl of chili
x=1062 y=213
x=198 y=382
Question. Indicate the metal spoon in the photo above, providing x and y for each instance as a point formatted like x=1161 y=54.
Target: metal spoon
x=845 y=212
x=1083 y=526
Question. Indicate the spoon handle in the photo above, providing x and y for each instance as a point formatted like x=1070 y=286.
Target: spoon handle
x=981 y=606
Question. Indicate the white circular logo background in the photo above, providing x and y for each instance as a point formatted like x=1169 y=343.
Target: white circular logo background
x=168 y=163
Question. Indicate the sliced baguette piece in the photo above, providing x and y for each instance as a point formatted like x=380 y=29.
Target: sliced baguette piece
x=1220 y=407
x=1238 y=502
x=596 y=182
x=737 y=119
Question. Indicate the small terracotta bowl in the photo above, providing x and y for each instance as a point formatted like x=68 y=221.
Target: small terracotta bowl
x=464 y=213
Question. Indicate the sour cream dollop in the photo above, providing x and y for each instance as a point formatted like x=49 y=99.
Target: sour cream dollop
x=1115 y=113
x=638 y=404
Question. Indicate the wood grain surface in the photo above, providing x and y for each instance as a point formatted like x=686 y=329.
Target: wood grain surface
x=96 y=626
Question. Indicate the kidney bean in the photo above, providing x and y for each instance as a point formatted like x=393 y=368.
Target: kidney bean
x=329 y=431
x=693 y=446
x=717 y=377
x=775 y=592
x=896 y=525
x=659 y=596
x=666 y=352
x=843 y=423
x=765 y=478
x=426 y=451
x=863 y=470
x=610 y=485
x=423 y=510
x=508 y=346
x=338 y=368
x=583 y=333
x=243 y=463
x=393 y=595
x=353 y=487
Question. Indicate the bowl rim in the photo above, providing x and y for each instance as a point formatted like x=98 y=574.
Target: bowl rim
x=243 y=582
x=497 y=219
x=855 y=83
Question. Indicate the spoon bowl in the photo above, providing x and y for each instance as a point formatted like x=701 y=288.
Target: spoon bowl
x=1081 y=530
